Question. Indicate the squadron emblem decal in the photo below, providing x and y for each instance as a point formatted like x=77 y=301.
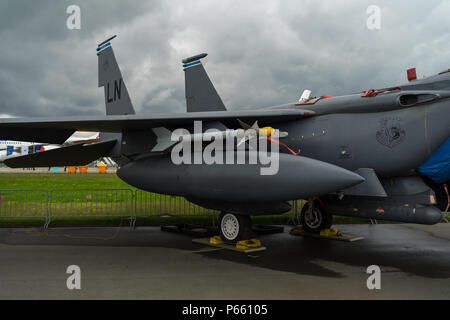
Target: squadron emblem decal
x=391 y=133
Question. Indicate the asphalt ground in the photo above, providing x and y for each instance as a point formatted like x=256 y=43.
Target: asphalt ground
x=146 y=263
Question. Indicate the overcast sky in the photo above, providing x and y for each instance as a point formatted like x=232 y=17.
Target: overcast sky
x=261 y=53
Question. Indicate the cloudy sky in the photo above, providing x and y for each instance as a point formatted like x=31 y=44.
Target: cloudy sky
x=261 y=53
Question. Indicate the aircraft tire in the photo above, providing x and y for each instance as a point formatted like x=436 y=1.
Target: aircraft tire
x=317 y=221
x=234 y=227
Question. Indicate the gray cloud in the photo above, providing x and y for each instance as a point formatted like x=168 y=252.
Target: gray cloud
x=261 y=53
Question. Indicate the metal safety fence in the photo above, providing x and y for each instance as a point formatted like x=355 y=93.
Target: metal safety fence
x=23 y=203
x=150 y=204
x=126 y=203
x=91 y=202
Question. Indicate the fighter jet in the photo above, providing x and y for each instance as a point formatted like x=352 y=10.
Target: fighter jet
x=373 y=154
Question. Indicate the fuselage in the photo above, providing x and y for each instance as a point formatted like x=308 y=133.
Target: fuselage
x=11 y=148
x=393 y=143
x=16 y=144
x=393 y=132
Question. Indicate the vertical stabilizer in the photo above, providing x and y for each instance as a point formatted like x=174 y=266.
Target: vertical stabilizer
x=200 y=92
x=117 y=100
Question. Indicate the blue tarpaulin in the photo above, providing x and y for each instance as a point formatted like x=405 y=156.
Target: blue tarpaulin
x=437 y=166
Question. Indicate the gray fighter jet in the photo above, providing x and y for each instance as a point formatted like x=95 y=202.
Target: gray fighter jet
x=374 y=154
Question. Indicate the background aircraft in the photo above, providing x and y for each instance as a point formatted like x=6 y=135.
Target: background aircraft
x=11 y=148
x=374 y=154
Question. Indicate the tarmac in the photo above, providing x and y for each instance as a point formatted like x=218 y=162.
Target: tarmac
x=146 y=263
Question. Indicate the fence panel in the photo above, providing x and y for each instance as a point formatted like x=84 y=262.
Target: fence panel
x=23 y=203
x=155 y=204
x=102 y=203
x=91 y=203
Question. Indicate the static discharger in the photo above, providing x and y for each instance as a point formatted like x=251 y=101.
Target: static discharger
x=194 y=58
x=107 y=40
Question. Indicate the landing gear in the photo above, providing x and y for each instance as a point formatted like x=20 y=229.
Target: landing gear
x=314 y=218
x=234 y=227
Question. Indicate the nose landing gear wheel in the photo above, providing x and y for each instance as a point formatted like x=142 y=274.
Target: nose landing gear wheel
x=234 y=227
x=314 y=218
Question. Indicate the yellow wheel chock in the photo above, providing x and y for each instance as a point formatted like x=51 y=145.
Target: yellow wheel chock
x=243 y=244
x=247 y=244
x=298 y=229
x=215 y=240
x=332 y=232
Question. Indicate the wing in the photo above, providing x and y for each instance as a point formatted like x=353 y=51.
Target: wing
x=76 y=155
x=58 y=130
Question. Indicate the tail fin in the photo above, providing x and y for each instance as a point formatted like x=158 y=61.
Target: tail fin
x=117 y=99
x=200 y=92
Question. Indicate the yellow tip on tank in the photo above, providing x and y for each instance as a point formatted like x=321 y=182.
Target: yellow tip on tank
x=267 y=131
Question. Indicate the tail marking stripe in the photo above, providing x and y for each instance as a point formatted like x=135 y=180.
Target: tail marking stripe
x=191 y=64
x=103 y=46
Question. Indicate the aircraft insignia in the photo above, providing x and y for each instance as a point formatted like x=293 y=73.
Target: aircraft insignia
x=390 y=133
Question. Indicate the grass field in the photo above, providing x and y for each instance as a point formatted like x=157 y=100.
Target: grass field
x=49 y=181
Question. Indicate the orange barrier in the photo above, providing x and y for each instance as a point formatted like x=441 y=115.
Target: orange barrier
x=83 y=169
x=72 y=169
x=102 y=168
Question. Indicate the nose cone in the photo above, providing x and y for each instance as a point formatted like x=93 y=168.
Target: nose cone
x=313 y=177
x=346 y=178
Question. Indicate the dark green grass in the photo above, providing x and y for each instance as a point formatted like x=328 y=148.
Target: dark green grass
x=47 y=181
